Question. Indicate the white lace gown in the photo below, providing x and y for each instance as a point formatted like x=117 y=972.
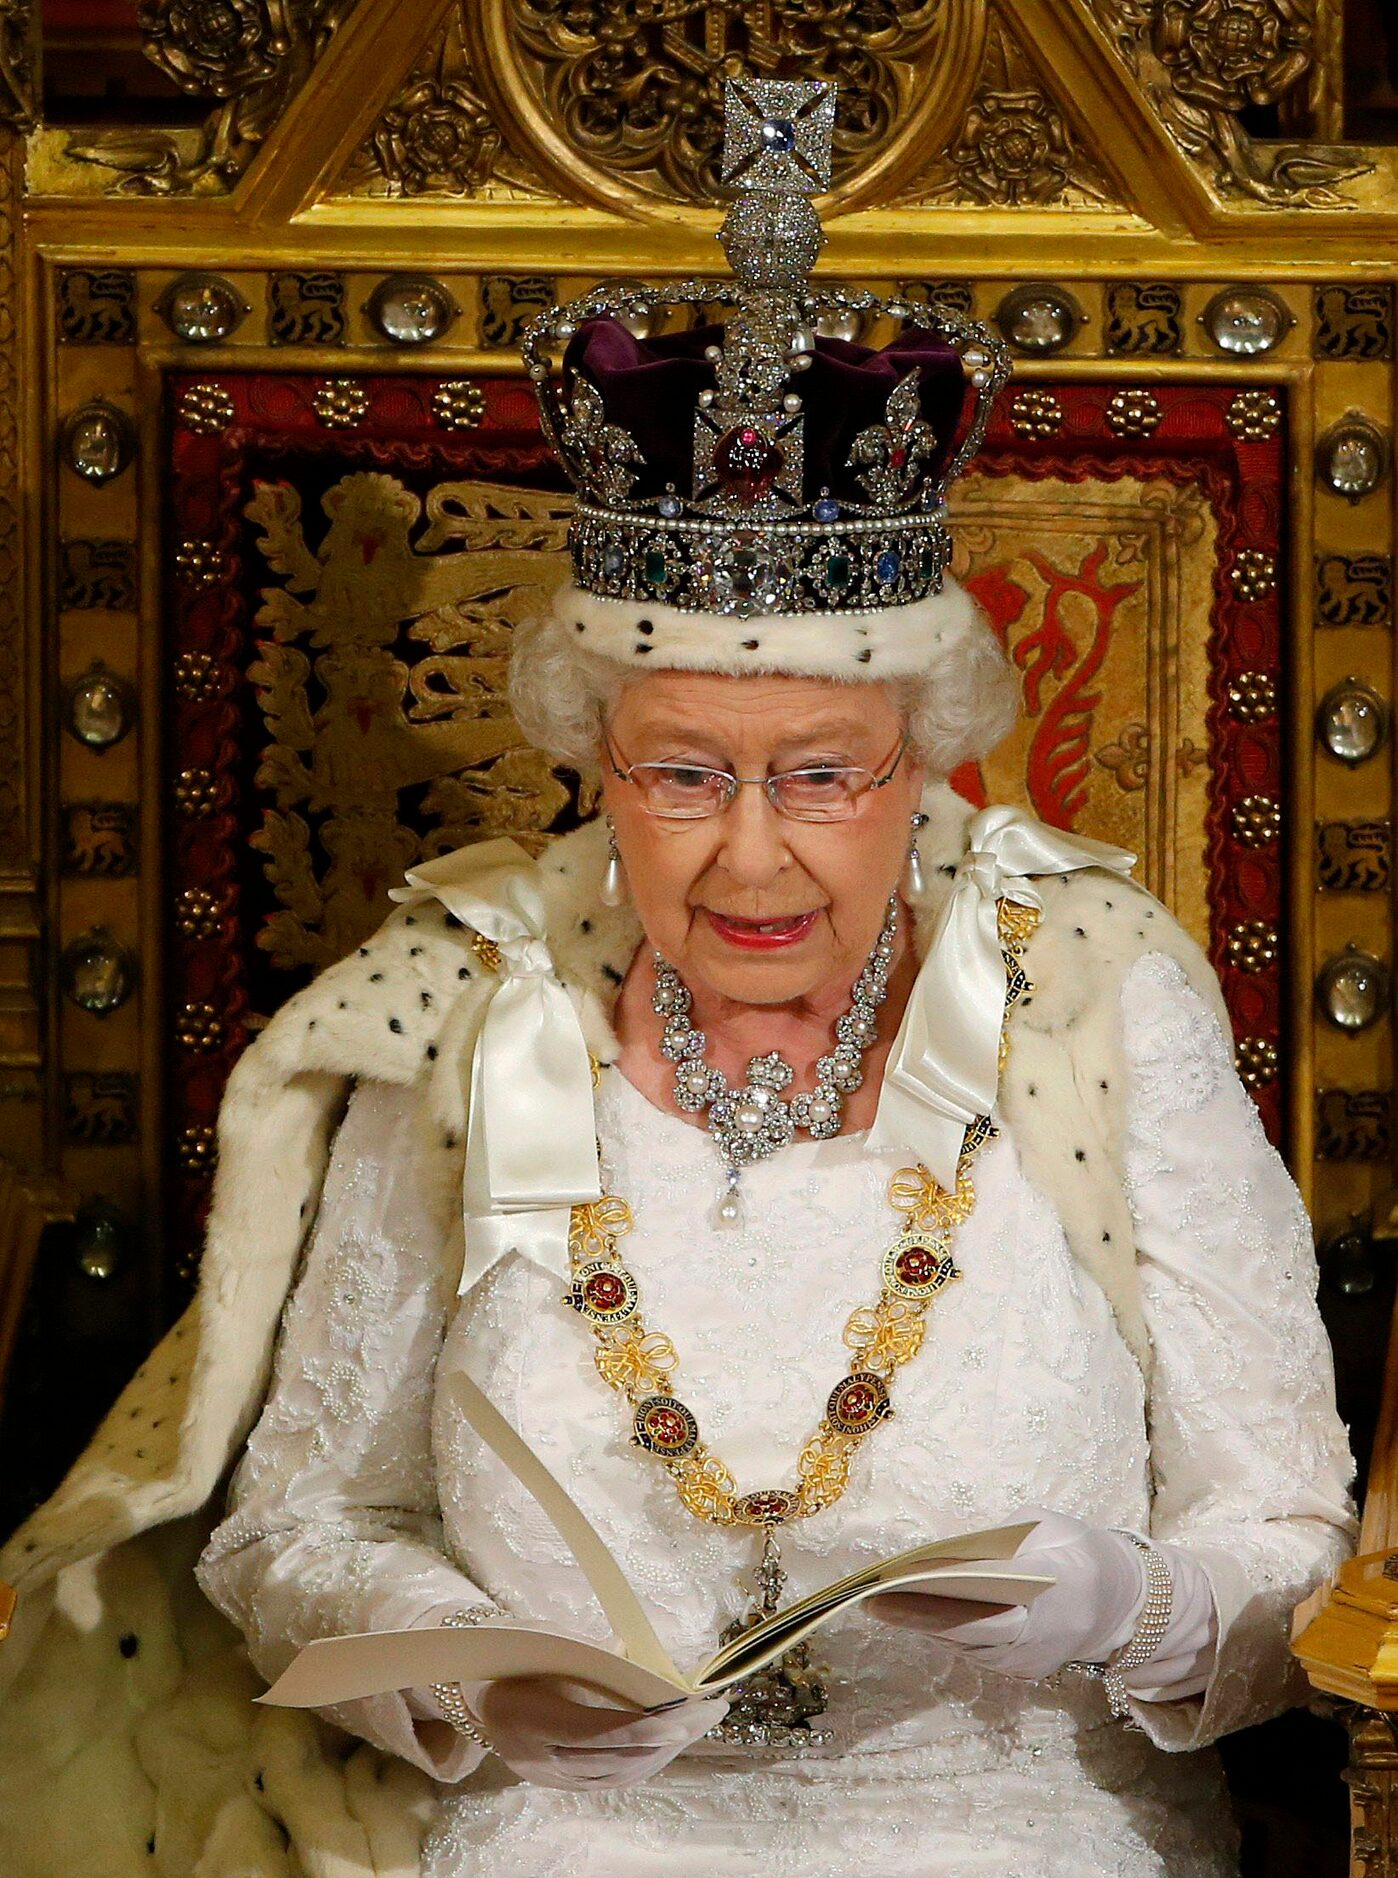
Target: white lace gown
x=358 y=1506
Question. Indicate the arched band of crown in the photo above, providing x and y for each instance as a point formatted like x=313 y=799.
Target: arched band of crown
x=861 y=559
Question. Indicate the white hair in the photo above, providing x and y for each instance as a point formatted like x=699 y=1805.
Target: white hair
x=958 y=707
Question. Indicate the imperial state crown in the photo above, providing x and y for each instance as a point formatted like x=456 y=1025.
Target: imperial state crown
x=749 y=466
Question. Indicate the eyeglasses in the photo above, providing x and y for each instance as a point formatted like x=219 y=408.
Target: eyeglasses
x=687 y=792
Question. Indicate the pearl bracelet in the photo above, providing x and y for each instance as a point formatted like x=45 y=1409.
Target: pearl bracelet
x=448 y=1695
x=1145 y=1639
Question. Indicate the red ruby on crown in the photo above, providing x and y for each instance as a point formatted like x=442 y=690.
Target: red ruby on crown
x=747 y=463
x=858 y=1403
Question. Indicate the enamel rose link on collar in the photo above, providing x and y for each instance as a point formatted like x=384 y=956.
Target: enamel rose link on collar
x=753 y=1121
x=774 y=1708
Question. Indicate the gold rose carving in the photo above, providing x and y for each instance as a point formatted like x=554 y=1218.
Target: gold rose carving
x=439 y=137
x=381 y=670
x=1202 y=63
x=251 y=56
x=1014 y=148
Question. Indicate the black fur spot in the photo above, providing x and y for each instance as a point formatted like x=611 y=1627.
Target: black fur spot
x=374 y=977
x=612 y=975
x=410 y=919
x=342 y=1006
x=364 y=952
x=431 y=1053
x=150 y=1845
x=1033 y=1088
x=578 y=626
x=310 y=1023
x=129 y=1644
x=395 y=1026
x=863 y=658
x=638 y=650
x=424 y=998
x=451 y=920
x=259 y=1782
x=751 y=645
x=1103 y=1083
x=585 y=925
x=463 y=971
x=449 y=1141
x=414 y=951
x=645 y=626
x=1079 y=1154
x=1079 y=931
x=1106 y=1238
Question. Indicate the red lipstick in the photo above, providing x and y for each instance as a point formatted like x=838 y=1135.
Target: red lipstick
x=766 y=935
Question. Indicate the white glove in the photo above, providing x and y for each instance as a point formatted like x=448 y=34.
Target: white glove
x=554 y=1732
x=1088 y=1612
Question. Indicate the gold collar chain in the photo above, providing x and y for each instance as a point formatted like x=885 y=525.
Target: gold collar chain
x=640 y=1362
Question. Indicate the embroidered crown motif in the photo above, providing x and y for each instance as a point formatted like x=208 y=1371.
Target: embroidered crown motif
x=753 y=466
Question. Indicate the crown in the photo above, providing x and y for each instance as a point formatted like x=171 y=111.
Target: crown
x=749 y=466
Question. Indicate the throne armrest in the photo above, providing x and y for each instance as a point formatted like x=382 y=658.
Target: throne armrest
x=1346 y=1632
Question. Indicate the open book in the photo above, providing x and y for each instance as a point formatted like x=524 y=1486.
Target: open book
x=976 y=1566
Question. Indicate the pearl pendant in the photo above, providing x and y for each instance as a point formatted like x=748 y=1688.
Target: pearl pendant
x=729 y=1211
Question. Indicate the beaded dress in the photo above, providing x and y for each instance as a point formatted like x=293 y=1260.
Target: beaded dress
x=362 y=1503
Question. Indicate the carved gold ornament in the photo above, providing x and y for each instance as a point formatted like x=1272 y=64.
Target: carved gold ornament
x=248 y=58
x=341 y=403
x=1133 y=413
x=1255 y=415
x=206 y=409
x=1252 y=696
x=381 y=668
x=1253 y=574
x=1036 y=414
x=1252 y=945
x=1203 y=63
x=623 y=103
x=1257 y=1060
x=457 y=404
x=1256 y=821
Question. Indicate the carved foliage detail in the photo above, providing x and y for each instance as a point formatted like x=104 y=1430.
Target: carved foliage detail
x=638 y=90
x=438 y=137
x=1015 y=148
x=1201 y=63
x=252 y=56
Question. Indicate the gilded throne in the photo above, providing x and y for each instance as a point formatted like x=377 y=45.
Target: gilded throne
x=296 y=499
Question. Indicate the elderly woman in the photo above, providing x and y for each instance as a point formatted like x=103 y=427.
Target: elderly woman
x=673 y=1140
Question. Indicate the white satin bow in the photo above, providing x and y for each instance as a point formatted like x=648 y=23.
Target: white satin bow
x=531 y=1145
x=943 y=1070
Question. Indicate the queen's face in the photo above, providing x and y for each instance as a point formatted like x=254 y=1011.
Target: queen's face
x=750 y=904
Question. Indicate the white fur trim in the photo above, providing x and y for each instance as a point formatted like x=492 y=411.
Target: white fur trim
x=896 y=642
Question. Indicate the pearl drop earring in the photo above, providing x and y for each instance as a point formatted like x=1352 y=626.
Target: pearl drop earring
x=613 y=888
x=914 y=886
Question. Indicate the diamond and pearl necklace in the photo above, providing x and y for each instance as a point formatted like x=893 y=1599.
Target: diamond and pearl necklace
x=753 y=1120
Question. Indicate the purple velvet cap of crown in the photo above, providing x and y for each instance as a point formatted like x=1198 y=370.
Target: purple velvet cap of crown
x=650 y=388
